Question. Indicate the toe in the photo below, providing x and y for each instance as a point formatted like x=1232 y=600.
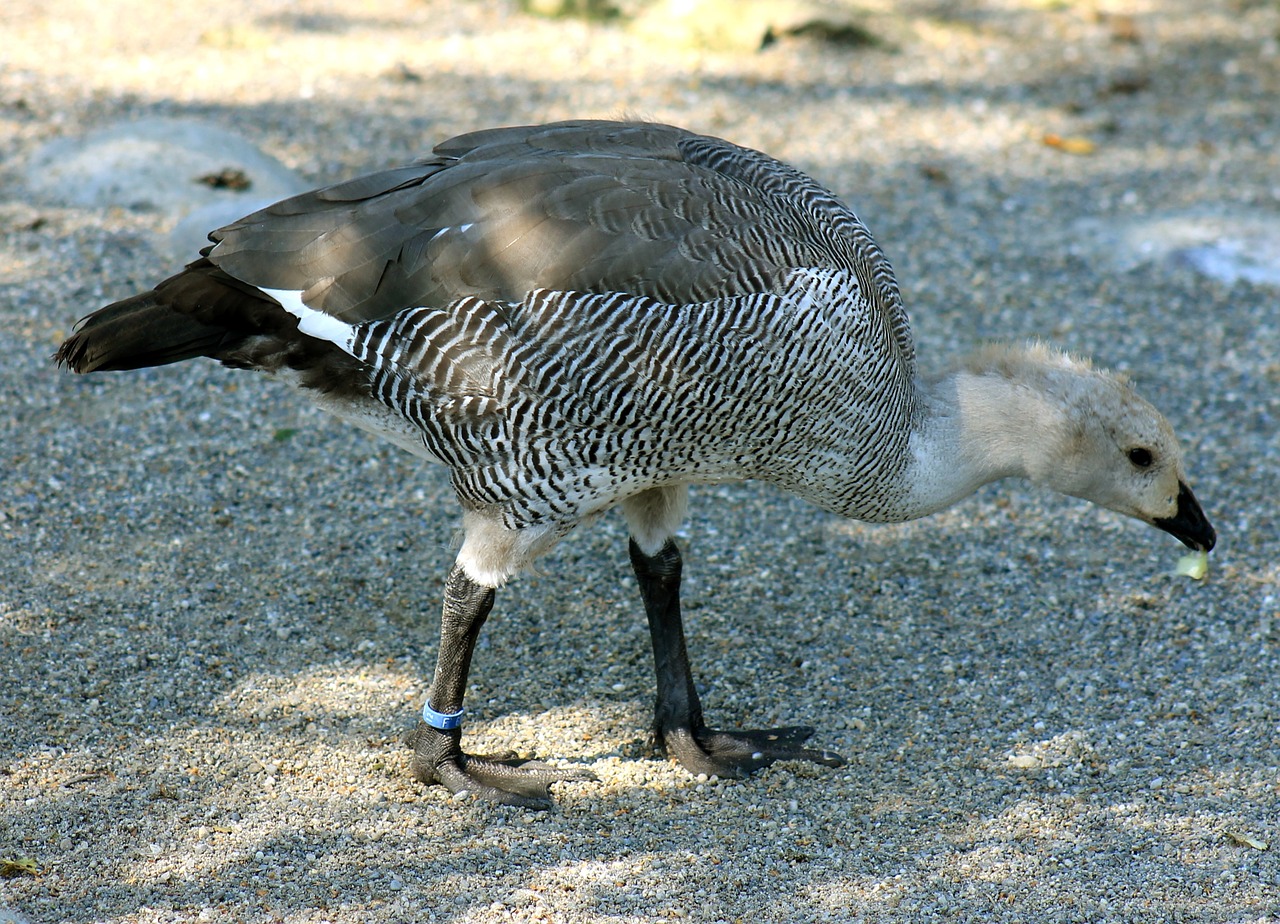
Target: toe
x=438 y=758
x=738 y=753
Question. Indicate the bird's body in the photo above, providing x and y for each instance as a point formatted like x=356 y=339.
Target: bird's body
x=583 y=315
x=550 y=410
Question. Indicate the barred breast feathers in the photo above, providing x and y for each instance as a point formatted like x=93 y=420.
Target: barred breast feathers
x=562 y=403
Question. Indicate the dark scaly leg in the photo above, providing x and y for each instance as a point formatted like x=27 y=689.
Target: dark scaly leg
x=437 y=751
x=677 y=724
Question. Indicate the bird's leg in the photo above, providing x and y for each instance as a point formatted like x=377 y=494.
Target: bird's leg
x=436 y=741
x=678 y=726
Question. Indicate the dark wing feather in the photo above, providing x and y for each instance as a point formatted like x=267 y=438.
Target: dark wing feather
x=582 y=206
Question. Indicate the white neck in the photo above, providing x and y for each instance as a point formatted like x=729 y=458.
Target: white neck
x=978 y=425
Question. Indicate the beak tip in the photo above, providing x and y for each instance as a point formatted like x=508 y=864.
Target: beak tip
x=1202 y=544
x=1189 y=524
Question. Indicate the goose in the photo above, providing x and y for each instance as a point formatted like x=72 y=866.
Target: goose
x=585 y=315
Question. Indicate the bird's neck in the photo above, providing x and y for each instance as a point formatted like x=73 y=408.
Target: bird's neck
x=975 y=425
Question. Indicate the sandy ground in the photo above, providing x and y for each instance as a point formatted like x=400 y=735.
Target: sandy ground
x=218 y=608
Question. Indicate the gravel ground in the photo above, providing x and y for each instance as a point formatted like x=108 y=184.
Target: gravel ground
x=218 y=608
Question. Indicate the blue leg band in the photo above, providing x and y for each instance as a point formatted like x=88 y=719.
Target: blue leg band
x=441 y=720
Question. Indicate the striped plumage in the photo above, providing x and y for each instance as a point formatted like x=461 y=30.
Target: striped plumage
x=589 y=314
x=553 y=408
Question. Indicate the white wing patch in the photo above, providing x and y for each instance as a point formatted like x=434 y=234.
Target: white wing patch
x=314 y=323
x=460 y=229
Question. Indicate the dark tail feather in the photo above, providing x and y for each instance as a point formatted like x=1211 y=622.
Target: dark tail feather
x=134 y=333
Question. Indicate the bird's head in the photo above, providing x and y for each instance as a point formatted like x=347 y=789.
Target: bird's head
x=1115 y=449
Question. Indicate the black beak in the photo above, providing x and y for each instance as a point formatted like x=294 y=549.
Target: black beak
x=1189 y=524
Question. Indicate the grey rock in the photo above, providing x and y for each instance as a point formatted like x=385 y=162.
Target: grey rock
x=157 y=165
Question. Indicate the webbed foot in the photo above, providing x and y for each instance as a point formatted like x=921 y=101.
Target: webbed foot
x=734 y=754
x=438 y=758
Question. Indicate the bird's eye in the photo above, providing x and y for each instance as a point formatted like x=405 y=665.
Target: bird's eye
x=1140 y=457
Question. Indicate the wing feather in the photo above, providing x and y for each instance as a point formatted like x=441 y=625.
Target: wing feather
x=641 y=209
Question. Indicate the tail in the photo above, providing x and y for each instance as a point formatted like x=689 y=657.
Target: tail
x=199 y=312
x=142 y=330
x=203 y=311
